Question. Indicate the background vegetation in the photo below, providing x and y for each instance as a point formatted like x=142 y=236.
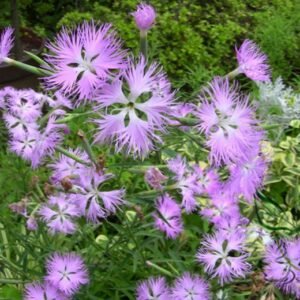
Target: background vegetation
x=194 y=40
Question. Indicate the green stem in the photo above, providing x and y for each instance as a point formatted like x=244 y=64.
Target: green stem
x=71 y=155
x=87 y=147
x=158 y=268
x=233 y=74
x=144 y=43
x=40 y=192
x=187 y=121
x=36 y=58
x=5 y=241
x=45 y=118
x=28 y=68
x=11 y=281
x=70 y=117
x=270 y=126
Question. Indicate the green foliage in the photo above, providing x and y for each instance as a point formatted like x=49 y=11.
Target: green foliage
x=201 y=36
x=278 y=34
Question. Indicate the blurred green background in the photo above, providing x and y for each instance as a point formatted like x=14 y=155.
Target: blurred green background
x=193 y=39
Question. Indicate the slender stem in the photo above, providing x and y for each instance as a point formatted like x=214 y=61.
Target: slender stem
x=158 y=268
x=187 y=121
x=36 y=58
x=87 y=147
x=45 y=118
x=70 y=117
x=26 y=67
x=11 y=281
x=71 y=155
x=144 y=43
x=5 y=241
x=233 y=74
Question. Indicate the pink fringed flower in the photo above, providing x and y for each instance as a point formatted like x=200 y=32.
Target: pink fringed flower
x=228 y=123
x=224 y=256
x=60 y=213
x=40 y=291
x=190 y=287
x=154 y=177
x=66 y=167
x=83 y=59
x=221 y=206
x=132 y=119
x=144 y=16
x=282 y=261
x=246 y=178
x=252 y=62
x=6 y=43
x=94 y=203
x=153 y=288
x=168 y=216
x=66 y=272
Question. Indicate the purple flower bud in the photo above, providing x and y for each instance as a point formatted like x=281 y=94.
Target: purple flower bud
x=154 y=178
x=31 y=224
x=144 y=16
x=6 y=43
x=252 y=62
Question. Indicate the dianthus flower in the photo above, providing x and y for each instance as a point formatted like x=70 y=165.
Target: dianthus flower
x=190 y=287
x=153 y=288
x=144 y=16
x=228 y=123
x=252 y=62
x=92 y=202
x=83 y=59
x=221 y=206
x=224 y=256
x=168 y=216
x=6 y=43
x=155 y=178
x=207 y=181
x=43 y=291
x=282 y=261
x=66 y=272
x=132 y=119
x=247 y=177
x=186 y=181
x=65 y=167
x=59 y=214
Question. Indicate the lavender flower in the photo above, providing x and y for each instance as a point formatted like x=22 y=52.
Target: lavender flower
x=131 y=120
x=247 y=177
x=168 y=216
x=6 y=43
x=95 y=204
x=186 y=181
x=252 y=62
x=66 y=167
x=224 y=256
x=59 y=214
x=66 y=272
x=190 y=287
x=153 y=288
x=282 y=265
x=207 y=181
x=31 y=224
x=83 y=59
x=221 y=206
x=154 y=178
x=39 y=291
x=48 y=139
x=144 y=16
x=228 y=123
